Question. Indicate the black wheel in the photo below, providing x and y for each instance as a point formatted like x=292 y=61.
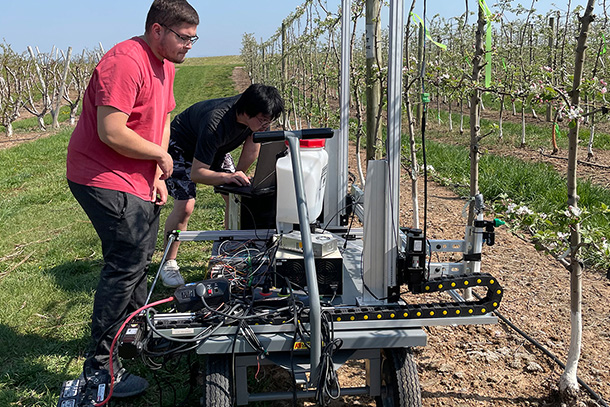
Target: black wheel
x=399 y=379
x=217 y=386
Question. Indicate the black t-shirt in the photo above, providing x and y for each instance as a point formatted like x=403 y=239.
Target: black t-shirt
x=208 y=130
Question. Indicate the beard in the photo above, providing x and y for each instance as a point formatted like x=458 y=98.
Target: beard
x=176 y=59
x=169 y=52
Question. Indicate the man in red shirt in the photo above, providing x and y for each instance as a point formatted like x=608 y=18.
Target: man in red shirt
x=116 y=166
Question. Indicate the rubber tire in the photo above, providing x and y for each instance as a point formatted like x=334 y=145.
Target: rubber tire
x=399 y=379
x=217 y=386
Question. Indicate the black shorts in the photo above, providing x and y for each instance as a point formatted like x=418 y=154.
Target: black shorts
x=179 y=185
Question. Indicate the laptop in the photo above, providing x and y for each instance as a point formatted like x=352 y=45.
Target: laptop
x=264 y=180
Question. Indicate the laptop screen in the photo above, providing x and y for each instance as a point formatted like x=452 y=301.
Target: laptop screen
x=264 y=174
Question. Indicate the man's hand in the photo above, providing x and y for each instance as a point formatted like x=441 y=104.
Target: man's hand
x=166 y=165
x=160 y=192
x=238 y=178
x=201 y=174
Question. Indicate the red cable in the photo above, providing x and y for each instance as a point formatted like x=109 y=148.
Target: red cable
x=114 y=341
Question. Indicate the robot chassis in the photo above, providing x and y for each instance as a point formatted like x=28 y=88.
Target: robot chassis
x=310 y=331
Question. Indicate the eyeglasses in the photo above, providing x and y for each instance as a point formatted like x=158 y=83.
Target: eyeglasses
x=264 y=122
x=185 y=38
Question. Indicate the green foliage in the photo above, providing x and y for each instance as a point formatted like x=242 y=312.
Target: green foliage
x=531 y=197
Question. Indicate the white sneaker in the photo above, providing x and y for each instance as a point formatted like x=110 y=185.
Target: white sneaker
x=170 y=274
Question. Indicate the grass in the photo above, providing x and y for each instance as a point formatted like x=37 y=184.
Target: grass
x=537 y=134
x=536 y=184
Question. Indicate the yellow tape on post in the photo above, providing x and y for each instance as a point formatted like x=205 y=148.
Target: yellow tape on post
x=418 y=20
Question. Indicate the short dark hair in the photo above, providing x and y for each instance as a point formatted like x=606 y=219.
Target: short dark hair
x=259 y=98
x=171 y=13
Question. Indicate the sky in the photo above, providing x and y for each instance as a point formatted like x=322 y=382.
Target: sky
x=83 y=24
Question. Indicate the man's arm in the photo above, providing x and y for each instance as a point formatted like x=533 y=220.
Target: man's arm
x=201 y=174
x=160 y=188
x=249 y=153
x=113 y=131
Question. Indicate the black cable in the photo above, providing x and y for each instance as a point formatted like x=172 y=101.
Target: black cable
x=349 y=228
x=233 y=376
x=337 y=213
x=366 y=287
x=294 y=340
x=206 y=333
x=328 y=382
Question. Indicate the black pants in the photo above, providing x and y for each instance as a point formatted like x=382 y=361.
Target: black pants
x=127 y=227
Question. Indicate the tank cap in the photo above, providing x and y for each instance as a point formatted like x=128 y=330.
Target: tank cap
x=311 y=143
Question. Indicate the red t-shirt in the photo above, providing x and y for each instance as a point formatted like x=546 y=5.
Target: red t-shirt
x=133 y=80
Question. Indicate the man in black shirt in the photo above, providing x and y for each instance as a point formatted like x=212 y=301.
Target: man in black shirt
x=202 y=138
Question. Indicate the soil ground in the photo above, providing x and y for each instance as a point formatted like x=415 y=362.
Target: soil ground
x=492 y=365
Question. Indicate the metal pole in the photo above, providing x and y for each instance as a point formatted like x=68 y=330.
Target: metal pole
x=394 y=132
x=315 y=315
x=171 y=239
x=337 y=147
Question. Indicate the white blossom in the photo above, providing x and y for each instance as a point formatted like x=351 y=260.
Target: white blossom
x=572 y=212
x=523 y=210
x=574 y=113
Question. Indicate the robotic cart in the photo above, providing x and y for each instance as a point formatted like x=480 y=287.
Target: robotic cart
x=312 y=299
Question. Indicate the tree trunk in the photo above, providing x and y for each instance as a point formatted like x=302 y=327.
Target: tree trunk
x=62 y=89
x=523 y=124
x=549 y=107
x=568 y=382
x=44 y=90
x=9 y=129
x=420 y=59
x=284 y=79
x=554 y=138
x=373 y=85
x=591 y=137
x=475 y=101
x=500 y=119
x=461 y=114
x=450 y=115
x=475 y=127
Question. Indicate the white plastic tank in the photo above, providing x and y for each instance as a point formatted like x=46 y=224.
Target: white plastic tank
x=314 y=162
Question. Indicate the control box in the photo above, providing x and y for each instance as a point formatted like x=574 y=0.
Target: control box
x=190 y=297
x=329 y=270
